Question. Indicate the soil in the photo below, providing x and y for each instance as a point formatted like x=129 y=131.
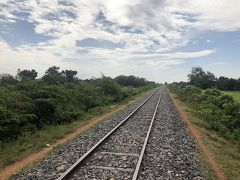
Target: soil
x=198 y=139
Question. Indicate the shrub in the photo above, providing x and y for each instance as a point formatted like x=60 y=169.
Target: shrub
x=45 y=110
x=220 y=112
x=59 y=97
x=68 y=116
x=7 y=79
x=9 y=124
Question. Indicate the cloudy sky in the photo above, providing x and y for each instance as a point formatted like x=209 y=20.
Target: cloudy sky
x=157 y=39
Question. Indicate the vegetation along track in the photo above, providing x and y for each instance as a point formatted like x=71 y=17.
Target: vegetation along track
x=120 y=153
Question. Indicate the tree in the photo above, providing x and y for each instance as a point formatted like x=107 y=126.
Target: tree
x=70 y=75
x=221 y=83
x=224 y=83
x=131 y=81
x=7 y=79
x=201 y=79
x=27 y=74
x=53 y=76
x=231 y=84
x=109 y=86
x=210 y=79
x=53 y=71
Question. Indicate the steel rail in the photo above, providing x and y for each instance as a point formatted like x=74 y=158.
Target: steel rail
x=137 y=169
x=72 y=168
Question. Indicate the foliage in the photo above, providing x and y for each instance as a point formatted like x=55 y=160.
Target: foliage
x=198 y=77
x=26 y=74
x=201 y=79
x=108 y=85
x=132 y=81
x=70 y=75
x=228 y=84
x=53 y=76
x=29 y=104
x=220 y=112
x=7 y=79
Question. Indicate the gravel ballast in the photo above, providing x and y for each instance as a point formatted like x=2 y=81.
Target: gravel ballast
x=117 y=157
x=169 y=153
x=59 y=161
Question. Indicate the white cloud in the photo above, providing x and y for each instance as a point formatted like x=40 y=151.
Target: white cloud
x=158 y=29
x=217 y=15
x=218 y=63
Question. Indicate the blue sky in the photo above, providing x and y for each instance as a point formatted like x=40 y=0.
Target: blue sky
x=160 y=40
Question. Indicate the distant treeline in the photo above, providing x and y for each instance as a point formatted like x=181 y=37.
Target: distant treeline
x=28 y=104
x=199 y=78
x=53 y=75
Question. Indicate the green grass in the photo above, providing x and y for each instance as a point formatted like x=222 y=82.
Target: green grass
x=226 y=153
x=205 y=167
x=16 y=150
x=234 y=94
x=27 y=144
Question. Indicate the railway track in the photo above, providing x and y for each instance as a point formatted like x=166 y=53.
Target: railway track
x=115 y=148
x=119 y=154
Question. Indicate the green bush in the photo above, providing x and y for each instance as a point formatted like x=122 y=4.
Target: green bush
x=68 y=116
x=30 y=104
x=220 y=112
x=45 y=110
x=131 y=81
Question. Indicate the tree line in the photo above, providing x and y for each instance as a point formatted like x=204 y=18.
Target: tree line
x=53 y=75
x=28 y=104
x=199 y=78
